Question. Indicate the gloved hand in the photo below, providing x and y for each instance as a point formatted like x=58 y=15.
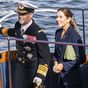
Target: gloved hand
x=37 y=82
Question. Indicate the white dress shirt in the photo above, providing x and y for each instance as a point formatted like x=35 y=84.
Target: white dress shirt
x=23 y=28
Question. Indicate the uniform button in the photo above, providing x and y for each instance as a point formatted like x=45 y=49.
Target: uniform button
x=19 y=59
x=23 y=52
x=23 y=62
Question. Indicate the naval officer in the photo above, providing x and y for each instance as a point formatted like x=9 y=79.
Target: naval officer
x=32 y=58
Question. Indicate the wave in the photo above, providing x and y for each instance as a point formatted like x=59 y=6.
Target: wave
x=8 y=0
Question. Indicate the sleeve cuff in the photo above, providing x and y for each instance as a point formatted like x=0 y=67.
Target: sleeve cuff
x=42 y=69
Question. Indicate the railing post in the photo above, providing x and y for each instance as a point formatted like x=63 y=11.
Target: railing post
x=0 y=79
x=9 y=65
x=83 y=20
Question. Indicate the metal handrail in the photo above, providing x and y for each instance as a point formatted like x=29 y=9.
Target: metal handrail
x=42 y=41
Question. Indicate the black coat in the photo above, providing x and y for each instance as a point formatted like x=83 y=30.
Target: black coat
x=70 y=75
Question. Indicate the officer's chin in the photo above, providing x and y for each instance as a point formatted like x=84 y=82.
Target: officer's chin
x=21 y=22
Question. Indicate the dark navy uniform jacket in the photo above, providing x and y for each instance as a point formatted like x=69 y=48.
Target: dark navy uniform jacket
x=30 y=51
x=70 y=74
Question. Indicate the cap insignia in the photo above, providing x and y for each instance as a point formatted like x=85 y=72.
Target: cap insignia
x=21 y=7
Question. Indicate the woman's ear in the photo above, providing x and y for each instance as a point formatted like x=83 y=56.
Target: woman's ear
x=69 y=19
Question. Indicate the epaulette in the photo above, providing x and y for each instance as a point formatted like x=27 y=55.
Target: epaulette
x=42 y=69
x=40 y=31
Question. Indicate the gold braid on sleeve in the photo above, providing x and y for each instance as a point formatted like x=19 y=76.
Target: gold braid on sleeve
x=5 y=31
x=42 y=69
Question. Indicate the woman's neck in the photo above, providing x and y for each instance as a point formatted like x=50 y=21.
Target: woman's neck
x=65 y=28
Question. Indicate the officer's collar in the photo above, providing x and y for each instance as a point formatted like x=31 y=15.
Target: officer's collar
x=26 y=26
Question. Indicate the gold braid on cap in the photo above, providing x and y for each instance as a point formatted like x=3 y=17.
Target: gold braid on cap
x=21 y=9
x=42 y=69
x=5 y=31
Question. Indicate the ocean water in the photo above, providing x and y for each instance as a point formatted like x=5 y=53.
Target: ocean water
x=45 y=19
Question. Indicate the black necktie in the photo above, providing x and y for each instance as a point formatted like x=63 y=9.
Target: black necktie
x=22 y=31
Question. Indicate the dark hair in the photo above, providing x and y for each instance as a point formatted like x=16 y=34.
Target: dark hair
x=67 y=12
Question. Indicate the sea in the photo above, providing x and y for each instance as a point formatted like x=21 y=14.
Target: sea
x=45 y=18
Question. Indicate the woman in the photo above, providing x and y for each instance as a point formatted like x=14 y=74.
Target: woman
x=67 y=58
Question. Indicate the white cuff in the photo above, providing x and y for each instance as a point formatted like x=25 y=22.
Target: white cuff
x=37 y=80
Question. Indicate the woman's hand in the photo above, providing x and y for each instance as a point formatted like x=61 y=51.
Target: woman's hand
x=57 y=68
